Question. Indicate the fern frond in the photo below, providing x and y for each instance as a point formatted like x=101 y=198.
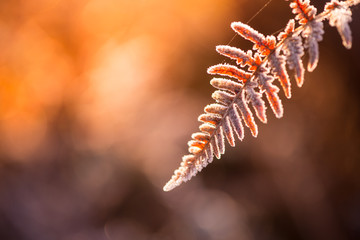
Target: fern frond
x=263 y=44
x=313 y=34
x=255 y=77
x=293 y=51
x=339 y=17
x=257 y=102
x=223 y=97
x=313 y=29
x=215 y=108
x=210 y=118
x=226 y=84
x=231 y=71
x=235 y=119
x=241 y=57
x=277 y=64
x=228 y=131
x=271 y=91
x=207 y=127
x=220 y=141
x=246 y=114
x=303 y=10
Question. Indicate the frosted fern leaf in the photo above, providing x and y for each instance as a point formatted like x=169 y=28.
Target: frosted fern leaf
x=340 y=17
x=254 y=77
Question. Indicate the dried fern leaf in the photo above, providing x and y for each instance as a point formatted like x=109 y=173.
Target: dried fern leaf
x=313 y=34
x=303 y=10
x=293 y=51
x=236 y=123
x=216 y=108
x=246 y=114
x=271 y=92
x=288 y=31
x=220 y=141
x=261 y=43
x=226 y=84
x=277 y=64
x=210 y=118
x=223 y=97
x=207 y=127
x=184 y=173
x=242 y=58
x=231 y=71
x=215 y=147
x=313 y=29
x=196 y=143
x=266 y=63
x=257 y=103
x=204 y=137
x=195 y=149
x=228 y=130
x=339 y=17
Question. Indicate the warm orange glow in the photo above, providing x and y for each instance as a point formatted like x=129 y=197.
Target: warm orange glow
x=98 y=99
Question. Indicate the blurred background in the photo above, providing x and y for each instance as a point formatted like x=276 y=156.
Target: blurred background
x=98 y=99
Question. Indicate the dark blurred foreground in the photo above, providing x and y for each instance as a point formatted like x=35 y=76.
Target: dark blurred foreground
x=97 y=102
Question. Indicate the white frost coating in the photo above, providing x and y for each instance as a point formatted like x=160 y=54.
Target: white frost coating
x=271 y=90
x=340 y=18
x=249 y=32
x=220 y=140
x=277 y=64
x=228 y=131
x=294 y=51
x=236 y=122
x=246 y=114
x=257 y=102
x=313 y=34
